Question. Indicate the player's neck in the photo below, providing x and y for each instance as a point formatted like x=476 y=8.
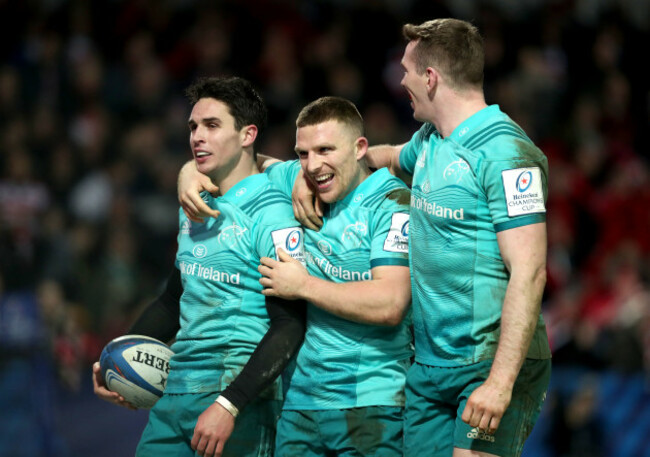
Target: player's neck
x=227 y=177
x=454 y=108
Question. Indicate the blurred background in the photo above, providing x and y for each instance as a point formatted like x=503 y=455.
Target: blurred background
x=93 y=131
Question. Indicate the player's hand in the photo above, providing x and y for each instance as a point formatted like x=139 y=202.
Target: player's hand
x=190 y=183
x=486 y=406
x=307 y=207
x=213 y=428
x=286 y=278
x=107 y=395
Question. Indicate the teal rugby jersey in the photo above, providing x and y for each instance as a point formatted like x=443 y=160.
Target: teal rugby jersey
x=223 y=313
x=345 y=364
x=487 y=176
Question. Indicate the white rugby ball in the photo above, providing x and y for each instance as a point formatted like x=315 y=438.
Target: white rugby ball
x=136 y=367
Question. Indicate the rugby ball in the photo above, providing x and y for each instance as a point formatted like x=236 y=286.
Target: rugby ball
x=136 y=367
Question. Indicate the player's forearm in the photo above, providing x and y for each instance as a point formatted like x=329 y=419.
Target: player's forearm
x=519 y=317
x=264 y=161
x=379 y=302
x=273 y=353
x=383 y=155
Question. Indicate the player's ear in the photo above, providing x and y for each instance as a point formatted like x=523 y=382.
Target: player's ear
x=432 y=79
x=248 y=135
x=361 y=146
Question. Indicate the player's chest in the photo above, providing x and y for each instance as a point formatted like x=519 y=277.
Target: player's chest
x=445 y=170
x=225 y=237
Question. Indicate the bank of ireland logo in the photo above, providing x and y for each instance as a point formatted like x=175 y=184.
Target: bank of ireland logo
x=353 y=234
x=230 y=235
x=426 y=187
x=293 y=241
x=325 y=247
x=524 y=180
x=405 y=229
x=199 y=251
x=455 y=171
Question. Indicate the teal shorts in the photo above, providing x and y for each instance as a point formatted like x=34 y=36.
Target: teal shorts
x=436 y=397
x=355 y=432
x=173 y=418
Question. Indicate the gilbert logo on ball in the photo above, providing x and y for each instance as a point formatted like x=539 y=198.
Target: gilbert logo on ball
x=136 y=367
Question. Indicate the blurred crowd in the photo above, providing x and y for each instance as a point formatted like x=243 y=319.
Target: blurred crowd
x=93 y=131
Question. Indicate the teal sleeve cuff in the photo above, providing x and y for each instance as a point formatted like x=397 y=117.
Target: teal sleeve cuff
x=389 y=261
x=520 y=222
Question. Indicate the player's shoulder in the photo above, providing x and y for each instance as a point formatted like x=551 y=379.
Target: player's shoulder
x=267 y=202
x=500 y=138
x=384 y=190
x=493 y=130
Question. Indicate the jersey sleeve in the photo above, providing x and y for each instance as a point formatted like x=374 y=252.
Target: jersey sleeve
x=516 y=191
x=409 y=154
x=276 y=228
x=283 y=175
x=390 y=230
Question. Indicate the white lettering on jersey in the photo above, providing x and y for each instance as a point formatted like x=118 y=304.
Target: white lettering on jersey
x=290 y=240
x=435 y=209
x=397 y=239
x=209 y=273
x=523 y=191
x=330 y=269
x=186 y=227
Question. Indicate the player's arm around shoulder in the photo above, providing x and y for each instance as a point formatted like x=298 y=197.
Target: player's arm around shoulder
x=387 y=155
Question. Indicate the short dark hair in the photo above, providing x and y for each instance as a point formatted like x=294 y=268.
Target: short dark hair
x=331 y=109
x=452 y=46
x=244 y=103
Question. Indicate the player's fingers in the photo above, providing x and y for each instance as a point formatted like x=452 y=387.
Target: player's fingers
x=196 y=437
x=484 y=423
x=475 y=420
x=122 y=402
x=202 y=208
x=211 y=187
x=265 y=272
x=494 y=425
x=298 y=213
x=211 y=447
x=318 y=207
x=284 y=255
x=267 y=262
x=266 y=282
x=313 y=211
x=191 y=211
x=467 y=413
x=310 y=214
x=269 y=292
x=219 y=450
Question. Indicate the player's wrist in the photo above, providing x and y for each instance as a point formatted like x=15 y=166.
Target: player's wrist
x=227 y=405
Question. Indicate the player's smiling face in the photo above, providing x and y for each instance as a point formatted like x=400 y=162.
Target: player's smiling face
x=329 y=154
x=216 y=143
x=414 y=82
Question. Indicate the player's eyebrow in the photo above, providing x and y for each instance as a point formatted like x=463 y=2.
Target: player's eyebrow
x=205 y=120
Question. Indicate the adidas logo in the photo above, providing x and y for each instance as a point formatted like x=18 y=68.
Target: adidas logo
x=476 y=433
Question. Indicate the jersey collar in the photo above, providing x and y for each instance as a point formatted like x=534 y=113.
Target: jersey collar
x=357 y=194
x=464 y=131
x=245 y=187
